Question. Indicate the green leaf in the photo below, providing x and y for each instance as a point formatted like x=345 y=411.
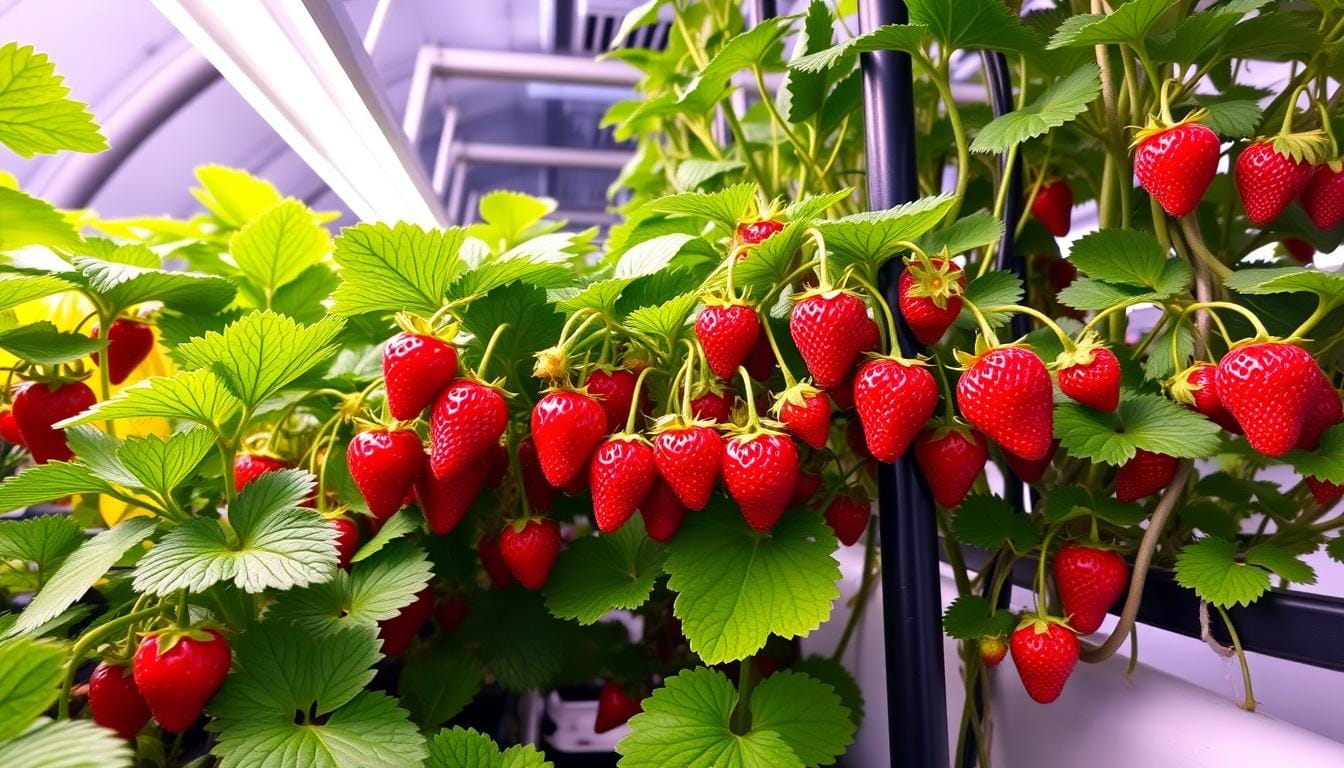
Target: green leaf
x=967 y=233
x=518 y=640
x=395 y=268
x=131 y=274
x=600 y=295
x=727 y=206
x=80 y=570
x=406 y=519
x=533 y=325
x=235 y=197
x=275 y=544
x=1159 y=364
x=667 y=322
x=810 y=208
x=20 y=289
x=1129 y=257
x=66 y=744
x=1150 y=422
x=1210 y=567
x=694 y=172
x=971 y=617
x=304 y=298
x=1234 y=119
x=651 y=255
x=281 y=673
x=803 y=91
x=768 y=263
x=1063 y=101
x=758 y=46
x=1128 y=23
x=44 y=482
x=1191 y=42
x=437 y=682
x=1280 y=36
x=1088 y=294
x=736 y=586
x=1254 y=282
x=508 y=217
x=30 y=675
x=278 y=245
x=685 y=724
x=263 y=352
x=599 y=573
x=806 y=713
x=199 y=396
x=892 y=37
x=26 y=220
x=160 y=464
x=1326 y=462
x=989 y=523
x=460 y=747
x=1066 y=501
x=98 y=451
x=834 y=674
x=1282 y=562
x=641 y=15
x=992 y=289
x=494 y=274
x=45 y=541
x=373 y=590
x=1119 y=513
x=1335 y=548
x=869 y=238
x=974 y=25
x=36 y=114
x=42 y=343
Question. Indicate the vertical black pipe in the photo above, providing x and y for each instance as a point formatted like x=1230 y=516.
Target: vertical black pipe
x=911 y=589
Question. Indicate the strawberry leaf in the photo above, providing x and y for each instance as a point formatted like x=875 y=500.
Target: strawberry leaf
x=866 y=240
x=44 y=541
x=400 y=268
x=45 y=482
x=806 y=713
x=460 y=747
x=1128 y=23
x=374 y=589
x=665 y=323
x=20 y=289
x=518 y=640
x=1150 y=422
x=693 y=172
x=970 y=617
x=30 y=676
x=160 y=464
x=1210 y=567
x=406 y=519
x=1234 y=118
x=967 y=233
x=1327 y=285
x=234 y=196
x=1282 y=562
x=834 y=674
x=1159 y=364
x=132 y=274
x=973 y=24
x=42 y=343
x=57 y=744
x=437 y=681
x=892 y=37
x=989 y=523
x=36 y=114
x=651 y=255
x=597 y=574
x=1326 y=462
x=277 y=246
x=508 y=218
x=726 y=207
x=1067 y=501
x=1129 y=257
x=534 y=325
x=803 y=91
x=1335 y=548
x=992 y=289
x=1058 y=104
x=1190 y=42
x=199 y=396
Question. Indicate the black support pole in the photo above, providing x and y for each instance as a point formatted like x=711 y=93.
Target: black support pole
x=911 y=589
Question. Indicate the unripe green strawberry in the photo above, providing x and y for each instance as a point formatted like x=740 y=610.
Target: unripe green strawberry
x=1090 y=580
x=992 y=650
x=1044 y=653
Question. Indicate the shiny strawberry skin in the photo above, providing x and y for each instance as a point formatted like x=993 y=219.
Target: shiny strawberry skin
x=450 y=611
x=757 y=232
x=760 y=471
x=397 y=632
x=1326 y=410
x=1095 y=384
x=662 y=512
x=926 y=319
x=385 y=466
x=992 y=650
x=614 y=707
x=37 y=406
x=115 y=701
x=1323 y=199
x=9 y=428
x=1144 y=474
x=1053 y=207
x=809 y=421
x=530 y=552
x=1089 y=581
x=713 y=406
x=567 y=427
x=540 y=493
x=1205 y=392
x=893 y=401
x=492 y=561
x=249 y=466
x=129 y=343
x=951 y=462
x=1324 y=491
x=347 y=540
x=1044 y=660
x=621 y=474
x=829 y=331
x=1177 y=165
x=615 y=391
x=1268 y=181
x=179 y=683
x=1007 y=395
x=727 y=333
x=416 y=368
x=1268 y=387
x=467 y=420
x=848 y=517
x=1030 y=471
x=445 y=502
x=688 y=460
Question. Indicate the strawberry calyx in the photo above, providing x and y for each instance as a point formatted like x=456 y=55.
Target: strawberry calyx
x=167 y=639
x=937 y=279
x=1180 y=387
x=1082 y=352
x=1302 y=146
x=949 y=426
x=1040 y=623
x=753 y=426
x=443 y=330
x=983 y=347
x=1161 y=124
x=795 y=394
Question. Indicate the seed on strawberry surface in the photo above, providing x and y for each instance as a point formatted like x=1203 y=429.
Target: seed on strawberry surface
x=893 y=398
x=1090 y=374
x=1006 y=394
x=951 y=459
x=567 y=426
x=177 y=672
x=529 y=548
x=1144 y=474
x=829 y=329
x=467 y=420
x=621 y=474
x=1090 y=580
x=1323 y=198
x=1176 y=164
x=39 y=405
x=1269 y=387
x=1044 y=653
x=1269 y=180
x=929 y=296
x=385 y=465
x=688 y=459
x=760 y=470
x=416 y=368
x=727 y=331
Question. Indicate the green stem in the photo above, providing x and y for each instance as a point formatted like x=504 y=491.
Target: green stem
x=489 y=349
x=789 y=381
x=887 y=317
x=1249 y=704
x=1323 y=308
x=746 y=683
x=634 y=402
x=88 y=642
x=740 y=136
x=104 y=376
x=1042 y=317
x=783 y=124
x=1040 y=571
x=940 y=81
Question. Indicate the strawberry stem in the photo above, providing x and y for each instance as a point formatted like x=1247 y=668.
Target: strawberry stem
x=823 y=272
x=753 y=421
x=687 y=366
x=1249 y=704
x=986 y=330
x=729 y=293
x=1323 y=307
x=489 y=349
x=1260 y=331
x=1290 y=108
x=948 y=408
x=634 y=402
x=890 y=331
x=1040 y=571
x=1042 y=317
x=789 y=381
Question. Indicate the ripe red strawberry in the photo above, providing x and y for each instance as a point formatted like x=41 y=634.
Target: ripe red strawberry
x=713 y=406
x=450 y=611
x=951 y=459
x=1044 y=653
x=829 y=329
x=1323 y=199
x=1268 y=387
x=487 y=549
x=1031 y=471
x=1268 y=180
x=468 y=419
x=1324 y=491
x=249 y=466
x=806 y=413
x=1176 y=165
x=115 y=701
x=662 y=512
x=727 y=330
x=848 y=517
x=398 y=631
x=755 y=233
x=496 y=460
x=9 y=428
x=805 y=488
x=615 y=391
x=1053 y=207
x=416 y=368
x=1006 y=394
x=529 y=548
x=178 y=671
x=567 y=426
x=1300 y=250
x=1326 y=410
x=1197 y=388
x=385 y=466
x=129 y=342
x=445 y=502
x=929 y=296
x=614 y=707
x=578 y=485
x=760 y=362
x=1090 y=581
x=39 y=405
x=540 y=493
x=347 y=540
x=992 y=650
x=893 y=399
x=688 y=459
x=760 y=469
x=621 y=474
x=1143 y=475
x=1090 y=375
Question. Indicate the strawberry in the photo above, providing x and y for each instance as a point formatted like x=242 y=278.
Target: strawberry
x=1053 y=206
x=855 y=438
x=1006 y=394
x=1090 y=580
x=848 y=517
x=540 y=493
x=39 y=405
x=894 y=398
x=1144 y=474
x=1044 y=652
x=1031 y=471
x=567 y=425
x=760 y=469
x=688 y=459
x=576 y=486
x=1324 y=491
x=1323 y=199
x=397 y=632
x=178 y=671
x=468 y=419
x=450 y=611
x=1197 y=388
x=805 y=413
x=951 y=458
x=445 y=502
x=385 y=465
x=487 y=549
x=529 y=548
x=1176 y=164
x=347 y=540
x=929 y=296
x=760 y=362
x=804 y=488
x=1268 y=387
x=248 y=466
x=1268 y=180
x=713 y=406
x=9 y=428
x=615 y=391
x=1090 y=374
x=755 y=233
x=992 y=650
x=1326 y=410
x=115 y=701
x=496 y=460
x=129 y=342
x=621 y=474
x=614 y=707
x=416 y=368
x=828 y=328
x=1300 y=250
x=727 y=331
x=662 y=512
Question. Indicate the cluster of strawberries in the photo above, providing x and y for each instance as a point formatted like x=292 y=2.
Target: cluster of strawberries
x=171 y=677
